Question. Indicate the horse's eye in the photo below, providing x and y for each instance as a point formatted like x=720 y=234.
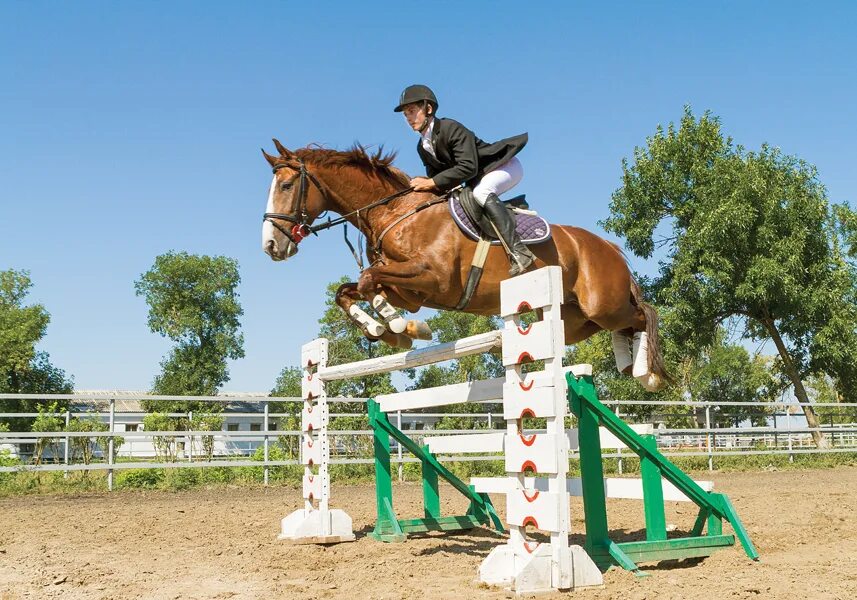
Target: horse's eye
x=285 y=186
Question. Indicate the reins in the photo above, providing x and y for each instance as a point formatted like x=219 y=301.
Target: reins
x=302 y=228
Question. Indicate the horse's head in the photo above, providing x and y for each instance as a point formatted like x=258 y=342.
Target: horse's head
x=294 y=201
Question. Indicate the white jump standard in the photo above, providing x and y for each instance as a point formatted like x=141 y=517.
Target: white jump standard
x=536 y=486
x=316 y=523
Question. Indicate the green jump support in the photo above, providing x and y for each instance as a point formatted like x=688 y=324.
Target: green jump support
x=714 y=508
x=388 y=527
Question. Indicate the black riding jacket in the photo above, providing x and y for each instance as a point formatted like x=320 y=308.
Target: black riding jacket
x=461 y=156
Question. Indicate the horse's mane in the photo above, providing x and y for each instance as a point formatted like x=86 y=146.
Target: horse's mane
x=378 y=163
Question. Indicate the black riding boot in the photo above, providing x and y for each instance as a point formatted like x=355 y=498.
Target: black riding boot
x=520 y=257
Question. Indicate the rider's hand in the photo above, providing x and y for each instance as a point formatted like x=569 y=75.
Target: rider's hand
x=423 y=184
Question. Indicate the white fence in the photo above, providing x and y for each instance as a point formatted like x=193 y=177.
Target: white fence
x=253 y=426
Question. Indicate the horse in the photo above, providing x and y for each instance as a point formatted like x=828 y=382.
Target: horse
x=418 y=256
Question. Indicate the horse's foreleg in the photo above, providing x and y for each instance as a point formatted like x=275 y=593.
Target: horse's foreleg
x=376 y=281
x=394 y=319
x=346 y=298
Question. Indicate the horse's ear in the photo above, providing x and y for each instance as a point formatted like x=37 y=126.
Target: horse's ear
x=272 y=160
x=284 y=152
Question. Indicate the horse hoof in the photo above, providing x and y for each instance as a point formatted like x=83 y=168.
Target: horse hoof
x=397 y=340
x=651 y=382
x=418 y=330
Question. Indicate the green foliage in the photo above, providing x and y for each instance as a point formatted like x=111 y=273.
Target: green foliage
x=180 y=479
x=83 y=448
x=748 y=236
x=165 y=446
x=23 y=369
x=275 y=473
x=193 y=301
x=847 y=226
x=205 y=421
x=20 y=326
x=47 y=422
x=288 y=385
x=139 y=478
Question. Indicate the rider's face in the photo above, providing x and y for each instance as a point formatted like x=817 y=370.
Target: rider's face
x=416 y=114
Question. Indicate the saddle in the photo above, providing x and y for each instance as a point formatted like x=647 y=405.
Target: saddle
x=470 y=218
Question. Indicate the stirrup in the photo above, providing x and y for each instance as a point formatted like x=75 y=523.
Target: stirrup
x=519 y=265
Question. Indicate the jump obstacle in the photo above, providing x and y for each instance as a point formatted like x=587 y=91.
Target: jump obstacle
x=540 y=501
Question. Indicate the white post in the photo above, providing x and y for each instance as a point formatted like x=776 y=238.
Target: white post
x=110 y=444
x=265 y=429
x=522 y=563
x=708 y=437
x=188 y=439
x=399 y=452
x=619 y=449
x=789 y=430
x=316 y=523
x=66 y=444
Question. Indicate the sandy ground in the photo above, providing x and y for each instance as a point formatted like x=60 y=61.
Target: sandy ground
x=221 y=543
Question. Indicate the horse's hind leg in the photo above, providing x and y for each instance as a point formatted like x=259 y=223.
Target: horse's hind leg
x=622 y=341
x=347 y=297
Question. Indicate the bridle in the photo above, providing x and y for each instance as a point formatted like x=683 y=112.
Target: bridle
x=300 y=218
x=301 y=227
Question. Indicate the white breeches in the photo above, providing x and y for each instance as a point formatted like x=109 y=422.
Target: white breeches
x=502 y=179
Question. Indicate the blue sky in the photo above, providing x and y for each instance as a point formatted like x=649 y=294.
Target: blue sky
x=130 y=129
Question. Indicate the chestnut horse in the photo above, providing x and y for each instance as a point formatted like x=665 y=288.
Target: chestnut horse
x=418 y=256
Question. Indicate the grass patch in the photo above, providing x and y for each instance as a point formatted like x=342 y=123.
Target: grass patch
x=186 y=478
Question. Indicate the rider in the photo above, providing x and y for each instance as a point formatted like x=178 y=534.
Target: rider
x=452 y=155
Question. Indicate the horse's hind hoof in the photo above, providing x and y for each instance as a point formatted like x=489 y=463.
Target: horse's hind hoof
x=418 y=330
x=652 y=382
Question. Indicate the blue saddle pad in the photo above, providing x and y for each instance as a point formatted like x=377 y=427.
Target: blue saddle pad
x=532 y=228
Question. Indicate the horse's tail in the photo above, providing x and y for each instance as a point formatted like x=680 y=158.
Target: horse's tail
x=655 y=357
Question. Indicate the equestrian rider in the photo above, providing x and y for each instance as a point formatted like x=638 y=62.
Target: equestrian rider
x=452 y=155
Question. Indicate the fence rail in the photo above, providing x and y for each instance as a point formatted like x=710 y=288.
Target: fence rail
x=353 y=446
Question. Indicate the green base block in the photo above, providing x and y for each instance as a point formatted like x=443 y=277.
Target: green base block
x=387 y=533
x=656 y=551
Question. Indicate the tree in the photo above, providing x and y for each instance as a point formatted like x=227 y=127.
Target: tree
x=193 y=301
x=288 y=385
x=47 y=422
x=722 y=372
x=84 y=447
x=751 y=236
x=23 y=369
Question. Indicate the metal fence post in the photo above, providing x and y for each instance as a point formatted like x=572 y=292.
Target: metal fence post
x=620 y=463
x=265 y=428
x=401 y=471
x=110 y=444
x=708 y=437
x=789 y=430
x=66 y=445
x=188 y=439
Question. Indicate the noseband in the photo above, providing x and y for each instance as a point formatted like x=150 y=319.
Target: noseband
x=300 y=218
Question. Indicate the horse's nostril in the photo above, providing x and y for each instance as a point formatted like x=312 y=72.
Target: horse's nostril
x=271 y=246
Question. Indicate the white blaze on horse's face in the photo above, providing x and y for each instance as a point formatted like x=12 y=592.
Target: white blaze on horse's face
x=277 y=250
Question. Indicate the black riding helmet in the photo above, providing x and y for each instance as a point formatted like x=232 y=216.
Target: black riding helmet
x=416 y=93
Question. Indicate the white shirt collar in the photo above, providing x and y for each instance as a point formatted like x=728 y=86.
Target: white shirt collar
x=426 y=138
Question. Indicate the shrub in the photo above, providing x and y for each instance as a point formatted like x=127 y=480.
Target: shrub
x=181 y=479
x=139 y=478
